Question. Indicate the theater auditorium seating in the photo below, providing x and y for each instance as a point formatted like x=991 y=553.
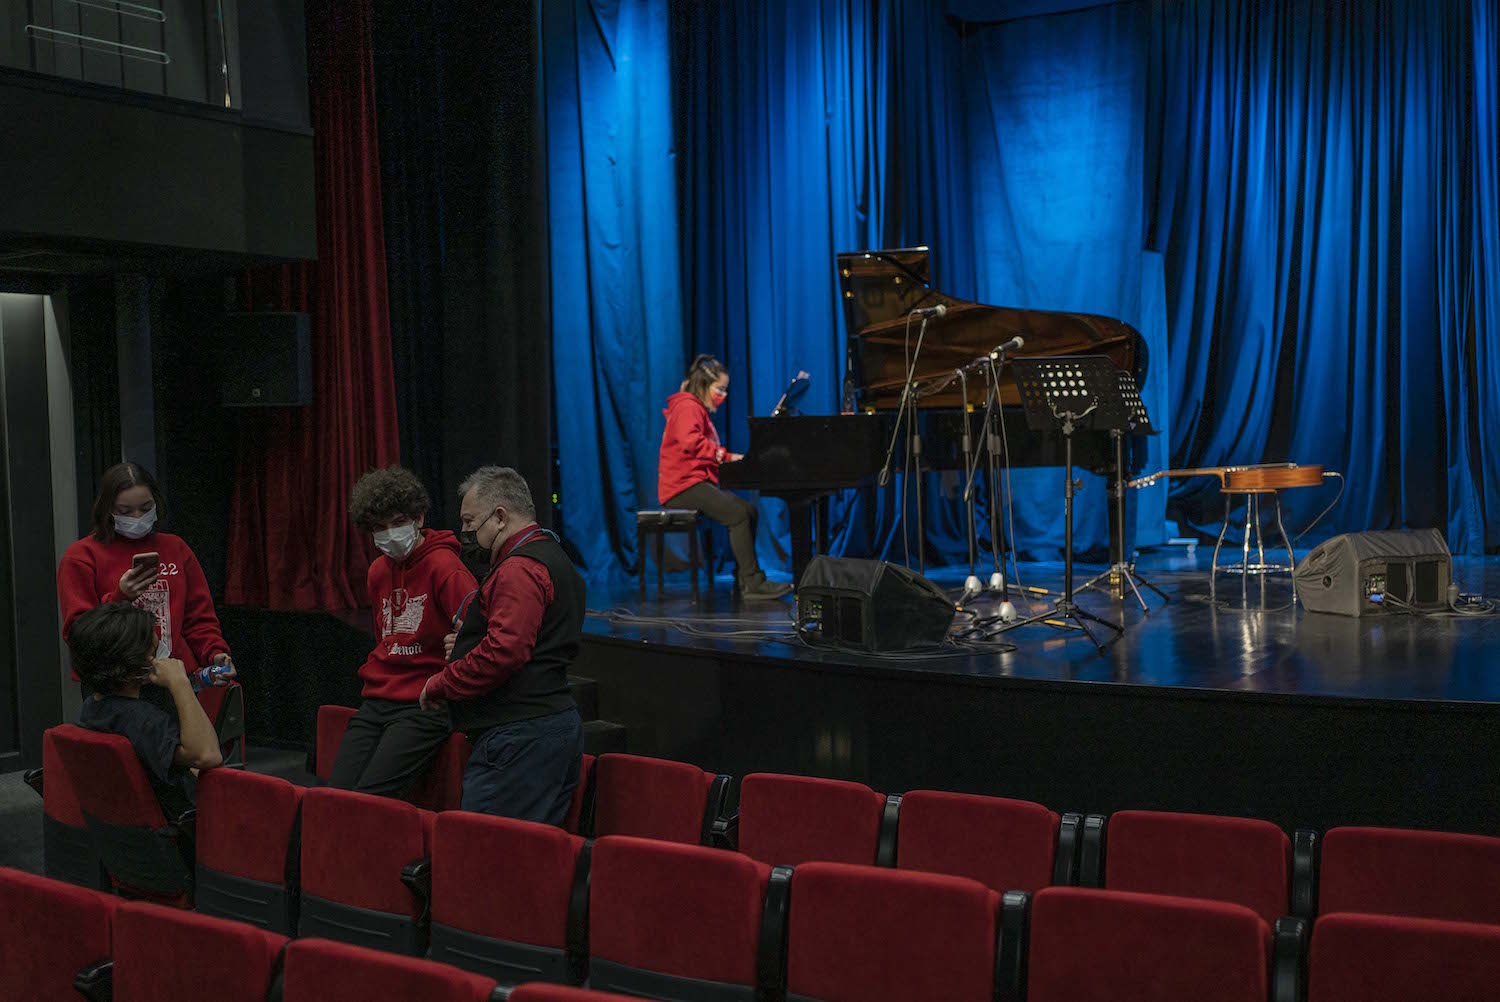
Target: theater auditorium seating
x=788 y=820
x=225 y=706
x=163 y=954
x=862 y=934
x=509 y=898
x=1007 y=845
x=1237 y=860
x=541 y=992
x=145 y=853
x=655 y=798
x=318 y=970
x=440 y=790
x=67 y=848
x=670 y=921
x=1380 y=958
x=49 y=933
x=364 y=870
x=1392 y=871
x=1087 y=944
x=247 y=851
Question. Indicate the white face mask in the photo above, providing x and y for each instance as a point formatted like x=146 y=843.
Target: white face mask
x=398 y=543
x=136 y=528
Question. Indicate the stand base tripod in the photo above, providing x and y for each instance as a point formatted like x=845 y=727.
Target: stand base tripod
x=1119 y=576
x=1066 y=615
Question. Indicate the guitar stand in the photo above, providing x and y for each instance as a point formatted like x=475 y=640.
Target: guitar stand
x=1121 y=574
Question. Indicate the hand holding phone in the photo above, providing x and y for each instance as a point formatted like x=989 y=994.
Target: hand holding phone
x=144 y=569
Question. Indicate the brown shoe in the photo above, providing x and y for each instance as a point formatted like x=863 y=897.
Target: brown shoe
x=764 y=591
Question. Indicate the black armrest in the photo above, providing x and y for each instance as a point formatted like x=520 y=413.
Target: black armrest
x=500 y=994
x=96 y=983
x=1065 y=864
x=890 y=824
x=1091 y=851
x=1289 y=960
x=727 y=832
x=590 y=792
x=718 y=794
x=1305 y=846
x=576 y=936
x=186 y=823
x=418 y=877
x=33 y=779
x=1010 y=954
x=770 y=964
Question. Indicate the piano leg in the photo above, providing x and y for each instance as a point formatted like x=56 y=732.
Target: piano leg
x=821 y=514
x=800 y=515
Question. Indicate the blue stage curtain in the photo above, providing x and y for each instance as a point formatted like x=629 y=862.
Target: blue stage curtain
x=1472 y=358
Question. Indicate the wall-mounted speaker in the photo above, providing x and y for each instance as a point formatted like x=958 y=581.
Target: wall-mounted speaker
x=1375 y=573
x=265 y=360
x=870 y=605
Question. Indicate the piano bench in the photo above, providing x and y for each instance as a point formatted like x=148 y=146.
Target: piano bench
x=655 y=523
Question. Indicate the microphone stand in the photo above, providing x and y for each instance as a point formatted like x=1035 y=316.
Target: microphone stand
x=999 y=545
x=972 y=584
x=914 y=441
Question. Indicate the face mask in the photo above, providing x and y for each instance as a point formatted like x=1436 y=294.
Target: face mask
x=135 y=528
x=398 y=543
x=474 y=554
x=718 y=397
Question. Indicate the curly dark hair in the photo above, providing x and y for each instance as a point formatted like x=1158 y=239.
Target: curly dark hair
x=381 y=495
x=113 y=645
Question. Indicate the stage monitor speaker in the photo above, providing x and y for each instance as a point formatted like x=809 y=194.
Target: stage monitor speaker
x=1361 y=573
x=265 y=360
x=870 y=605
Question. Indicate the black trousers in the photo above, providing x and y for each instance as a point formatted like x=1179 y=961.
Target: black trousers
x=734 y=512
x=388 y=747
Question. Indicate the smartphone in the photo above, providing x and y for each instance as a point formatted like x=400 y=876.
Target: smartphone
x=145 y=562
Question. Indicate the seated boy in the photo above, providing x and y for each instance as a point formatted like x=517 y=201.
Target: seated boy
x=112 y=649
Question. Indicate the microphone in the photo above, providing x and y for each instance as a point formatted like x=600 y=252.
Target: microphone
x=1014 y=343
x=931 y=311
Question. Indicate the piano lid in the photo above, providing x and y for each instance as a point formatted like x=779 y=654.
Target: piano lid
x=880 y=287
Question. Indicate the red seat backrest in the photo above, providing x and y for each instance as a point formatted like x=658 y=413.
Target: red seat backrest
x=1007 y=845
x=1383 y=958
x=537 y=991
x=108 y=778
x=333 y=721
x=868 y=934
x=163 y=953
x=1239 y=860
x=682 y=910
x=354 y=846
x=478 y=860
x=442 y=789
x=1087 y=943
x=318 y=970
x=1393 y=871
x=789 y=820
x=59 y=799
x=245 y=823
x=650 y=798
x=49 y=931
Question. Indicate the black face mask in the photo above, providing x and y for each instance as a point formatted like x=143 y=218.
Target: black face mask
x=475 y=556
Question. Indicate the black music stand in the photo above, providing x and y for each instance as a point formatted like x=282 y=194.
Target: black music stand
x=1071 y=393
x=1122 y=572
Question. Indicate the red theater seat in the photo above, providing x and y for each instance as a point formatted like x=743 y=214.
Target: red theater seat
x=540 y=992
x=1381 y=958
x=789 y=820
x=1092 y=944
x=861 y=934
x=502 y=892
x=318 y=970
x=225 y=706
x=656 y=798
x=364 y=870
x=145 y=853
x=49 y=933
x=67 y=848
x=247 y=853
x=1392 y=871
x=1238 y=860
x=333 y=721
x=1007 y=845
x=583 y=793
x=670 y=921
x=440 y=790
x=162 y=954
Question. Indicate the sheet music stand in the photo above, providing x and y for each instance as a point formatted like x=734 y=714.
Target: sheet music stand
x=1122 y=572
x=1072 y=394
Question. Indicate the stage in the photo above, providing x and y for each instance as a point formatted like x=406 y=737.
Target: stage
x=1261 y=709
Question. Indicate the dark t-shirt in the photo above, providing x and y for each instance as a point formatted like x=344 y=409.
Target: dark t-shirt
x=154 y=734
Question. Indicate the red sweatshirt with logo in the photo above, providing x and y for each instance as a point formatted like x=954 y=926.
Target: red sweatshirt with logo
x=415 y=603
x=90 y=573
x=690 y=449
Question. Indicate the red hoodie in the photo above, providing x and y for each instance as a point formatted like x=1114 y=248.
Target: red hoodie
x=690 y=449
x=90 y=573
x=415 y=603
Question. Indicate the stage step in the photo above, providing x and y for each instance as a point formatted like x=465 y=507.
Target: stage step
x=600 y=736
x=586 y=695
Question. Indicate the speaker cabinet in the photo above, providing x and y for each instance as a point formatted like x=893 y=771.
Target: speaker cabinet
x=870 y=605
x=1376 y=573
x=266 y=360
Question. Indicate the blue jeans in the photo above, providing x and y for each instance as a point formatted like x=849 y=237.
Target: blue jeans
x=526 y=770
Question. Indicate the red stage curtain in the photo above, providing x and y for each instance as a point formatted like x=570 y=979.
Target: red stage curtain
x=291 y=544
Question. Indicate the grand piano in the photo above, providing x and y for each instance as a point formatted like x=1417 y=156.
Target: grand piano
x=803 y=459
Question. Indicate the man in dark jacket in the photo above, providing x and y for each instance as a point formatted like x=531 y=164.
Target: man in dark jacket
x=506 y=682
